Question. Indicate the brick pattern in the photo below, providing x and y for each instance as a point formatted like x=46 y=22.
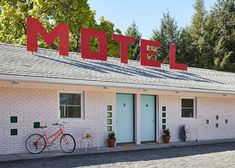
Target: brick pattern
x=40 y=104
x=34 y=105
x=207 y=109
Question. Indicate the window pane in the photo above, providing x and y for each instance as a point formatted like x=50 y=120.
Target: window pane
x=187 y=112
x=62 y=111
x=73 y=111
x=187 y=103
x=70 y=99
x=70 y=111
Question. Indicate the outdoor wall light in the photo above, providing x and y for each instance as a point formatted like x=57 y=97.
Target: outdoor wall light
x=15 y=82
x=224 y=95
x=145 y=90
x=105 y=87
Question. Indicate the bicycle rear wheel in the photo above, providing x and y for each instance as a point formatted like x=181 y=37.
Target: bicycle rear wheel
x=35 y=143
x=67 y=143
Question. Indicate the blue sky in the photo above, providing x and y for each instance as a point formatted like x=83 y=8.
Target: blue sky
x=146 y=13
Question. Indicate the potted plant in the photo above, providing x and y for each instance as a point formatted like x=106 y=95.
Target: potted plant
x=166 y=136
x=111 y=139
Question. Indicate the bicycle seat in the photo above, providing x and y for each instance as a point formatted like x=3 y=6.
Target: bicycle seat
x=44 y=126
x=59 y=124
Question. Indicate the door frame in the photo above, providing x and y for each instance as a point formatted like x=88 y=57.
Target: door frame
x=134 y=115
x=155 y=116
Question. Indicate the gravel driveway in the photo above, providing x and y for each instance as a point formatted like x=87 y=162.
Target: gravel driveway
x=209 y=156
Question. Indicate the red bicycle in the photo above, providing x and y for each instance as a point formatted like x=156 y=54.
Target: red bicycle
x=36 y=143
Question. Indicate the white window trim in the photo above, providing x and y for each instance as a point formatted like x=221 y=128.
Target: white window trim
x=82 y=105
x=194 y=107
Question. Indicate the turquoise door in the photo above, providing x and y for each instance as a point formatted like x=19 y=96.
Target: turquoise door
x=148 y=123
x=125 y=118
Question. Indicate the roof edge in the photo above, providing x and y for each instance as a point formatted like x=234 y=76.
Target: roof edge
x=109 y=84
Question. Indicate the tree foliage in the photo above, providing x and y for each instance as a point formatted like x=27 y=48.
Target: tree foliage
x=167 y=33
x=224 y=15
x=208 y=42
x=76 y=13
x=12 y=18
x=213 y=36
x=134 y=50
x=198 y=41
x=107 y=26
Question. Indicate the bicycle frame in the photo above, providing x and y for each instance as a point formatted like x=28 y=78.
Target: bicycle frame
x=56 y=135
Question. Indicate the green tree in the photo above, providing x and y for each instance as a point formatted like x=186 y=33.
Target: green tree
x=167 y=33
x=196 y=29
x=109 y=27
x=210 y=36
x=134 y=50
x=12 y=18
x=184 y=47
x=224 y=14
x=76 y=13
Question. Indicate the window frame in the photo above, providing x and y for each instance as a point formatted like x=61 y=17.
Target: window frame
x=82 y=106
x=194 y=107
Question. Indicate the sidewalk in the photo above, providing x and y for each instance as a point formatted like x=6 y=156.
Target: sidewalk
x=47 y=154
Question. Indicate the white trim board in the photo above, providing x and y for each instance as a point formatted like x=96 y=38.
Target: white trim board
x=110 y=84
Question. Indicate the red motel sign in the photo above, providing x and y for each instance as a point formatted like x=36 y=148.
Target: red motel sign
x=61 y=31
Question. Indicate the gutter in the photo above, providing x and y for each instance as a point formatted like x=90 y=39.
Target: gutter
x=110 y=84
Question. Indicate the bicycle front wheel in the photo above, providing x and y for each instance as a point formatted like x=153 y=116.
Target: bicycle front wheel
x=35 y=143
x=67 y=143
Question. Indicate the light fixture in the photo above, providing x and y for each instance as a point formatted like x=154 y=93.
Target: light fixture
x=145 y=90
x=224 y=95
x=15 y=82
x=177 y=92
x=105 y=87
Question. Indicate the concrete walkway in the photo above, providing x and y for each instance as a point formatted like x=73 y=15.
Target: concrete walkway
x=46 y=154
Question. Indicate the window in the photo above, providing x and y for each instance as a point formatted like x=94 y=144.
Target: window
x=187 y=105
x=70 y=105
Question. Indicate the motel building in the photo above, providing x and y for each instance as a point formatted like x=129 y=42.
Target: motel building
x=92 y=96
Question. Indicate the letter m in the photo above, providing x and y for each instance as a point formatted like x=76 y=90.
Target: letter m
x=34 y=27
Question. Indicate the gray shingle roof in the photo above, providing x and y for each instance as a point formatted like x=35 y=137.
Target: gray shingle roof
x=47 y=64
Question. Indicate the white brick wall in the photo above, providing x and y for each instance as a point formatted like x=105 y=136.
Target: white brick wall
x=207 y=108
x=39 y=103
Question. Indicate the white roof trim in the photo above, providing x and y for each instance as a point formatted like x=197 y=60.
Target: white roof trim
x=109 y=84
